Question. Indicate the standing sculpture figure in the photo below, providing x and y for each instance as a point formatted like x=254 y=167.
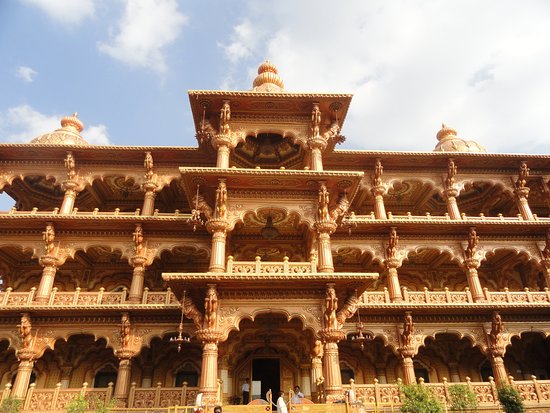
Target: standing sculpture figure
x=49 y=237
x=125 y=331
x=25 y=329
x=138 y=239
x=210 y=307
x=408 y=330
x=331 y=305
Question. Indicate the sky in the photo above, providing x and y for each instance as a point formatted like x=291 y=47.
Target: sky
x=482 y=67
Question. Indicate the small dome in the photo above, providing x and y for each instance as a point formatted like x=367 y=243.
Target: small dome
x=68 y=134
x=450 y=142
x=268 y=79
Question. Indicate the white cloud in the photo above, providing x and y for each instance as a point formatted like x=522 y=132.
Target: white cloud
x=24 y=123
x=145 y=29
x=26 y=73
x=479 y=67
x=66 y=12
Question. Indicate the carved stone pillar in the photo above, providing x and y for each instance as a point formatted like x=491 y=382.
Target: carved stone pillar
x=324 y=229
x=471 y=265
x=380 y=369
x=453 y=372
x=46 y=281
x=70 y=188
x=218 y=228
x=122 y=386
x=408 y=366
x=66 y=376
x=452 y=207
x=394 y=288
x=24 y=371
x=523 y=205
x=149 y=199
x=316 y=364
x=546 y=269
x=305 y=382
x=317 y=146
x=138 y=276
x=379 y=209
x=223 y=144
x=209 y=370
x=331 y=363
x=497 y=363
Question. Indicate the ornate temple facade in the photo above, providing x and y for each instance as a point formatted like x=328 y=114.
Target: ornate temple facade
x=150 y=274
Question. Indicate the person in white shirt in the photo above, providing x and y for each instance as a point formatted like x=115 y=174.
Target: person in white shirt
x=198 y=403
x=298 y=395
x=246 y=391
x=281 y=405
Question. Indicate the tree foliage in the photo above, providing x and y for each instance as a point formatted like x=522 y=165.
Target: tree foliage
x=510 y=400
x=462 y=398
x=419 y=399
x=10 y=405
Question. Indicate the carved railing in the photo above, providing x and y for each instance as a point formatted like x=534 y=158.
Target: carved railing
x=457 y=297
x=96 y=212
x=150 y=397
x=79 y=298
x=359 y=219
x=270 y=267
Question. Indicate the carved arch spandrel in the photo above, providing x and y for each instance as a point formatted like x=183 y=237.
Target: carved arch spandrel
x=304 y=209
x=516 y=329
x=486 y=248
x=230 y=314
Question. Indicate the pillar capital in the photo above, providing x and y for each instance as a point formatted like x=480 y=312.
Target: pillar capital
x=208 y=335
x=217 y=225
x=27 y=354
x=325 y=227
x=332 y=335
x=471 y=263
x=392 y=263
x=451 y=192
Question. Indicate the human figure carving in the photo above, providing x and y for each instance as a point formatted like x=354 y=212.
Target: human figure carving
x=148 y=164
x=324 y=200
x=202 y=206
x=315 y=120
x=378 y=171
x=221 y=201
x=341 y=207
x=25 y=330
x=496 y=330
x=451 y=173
x=473 y=241
x=125 y=331
x=317 y=350
x=49 y=238
x=225 y=116
x=210 y=307
x=546 y=250
x=348 y=309
x=138 y=240
x=70 y=165
x=393 y=240
x=331 y=305
x=332 y=132
x=191 y=312
x=523 y=175
x=408 y=330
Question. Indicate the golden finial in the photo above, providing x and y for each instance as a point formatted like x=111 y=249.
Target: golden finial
x=72 y=122
x=268 y=79
x=445 y=132
x=68 y=134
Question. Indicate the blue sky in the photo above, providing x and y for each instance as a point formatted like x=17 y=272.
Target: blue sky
x=126 y=65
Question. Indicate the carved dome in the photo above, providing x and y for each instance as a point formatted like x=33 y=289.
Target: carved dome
x=450 y=142
x=68 y=134
x=268 y=79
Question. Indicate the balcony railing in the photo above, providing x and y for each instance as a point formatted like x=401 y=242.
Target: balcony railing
x=369 y=298
x=97 y=212
x=270 y=267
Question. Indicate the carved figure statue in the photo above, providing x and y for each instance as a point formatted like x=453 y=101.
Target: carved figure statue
x=523 y=175
x=451 y=173
x=408 y=330
x=317 y=350
x=332 y=132
x=473 y=240
x=148 y=164
x=49 y=238
x=348 y=309
x=138 y=240
x=341 y=207
x=25 y=329
x=202 y=206
x=125 y=331
x=210 y=307
x=393 y=240
x=324 y=200
x=221 y=201
x=496 y=330
x=70 y=165
x=225 y=116
x=191 y=312
x=378 y=171
x=206 y=131
x=315 y=120
x=331 y=305
x=546 y=250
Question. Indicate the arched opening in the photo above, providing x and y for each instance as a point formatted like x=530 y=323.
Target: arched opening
x=268 y=151
x=488 y=198
x=529 y=355
x=18 y=269
x=508 y=268
x=8 y=363
x=105 y=376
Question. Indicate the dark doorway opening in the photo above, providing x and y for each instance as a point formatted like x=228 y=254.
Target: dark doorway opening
x=268 y=371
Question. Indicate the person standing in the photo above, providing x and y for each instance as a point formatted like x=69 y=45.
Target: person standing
x=281 y=405
x=298 y=395
x=246 y=391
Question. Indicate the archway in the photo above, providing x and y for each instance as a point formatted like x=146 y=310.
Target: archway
x=529 y=355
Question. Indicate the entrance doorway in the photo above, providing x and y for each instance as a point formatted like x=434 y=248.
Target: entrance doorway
x=268 y=371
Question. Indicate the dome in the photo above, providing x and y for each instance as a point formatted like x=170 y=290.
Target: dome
x=268 y=79
x=68 y=134
x=450 y=142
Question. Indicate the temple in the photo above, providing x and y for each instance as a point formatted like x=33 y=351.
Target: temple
x=147 y=275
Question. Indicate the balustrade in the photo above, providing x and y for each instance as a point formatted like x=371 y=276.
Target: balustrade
x=270 y=267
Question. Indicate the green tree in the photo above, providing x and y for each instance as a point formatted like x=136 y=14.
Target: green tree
x=419 y=399
x=462 y=398
x=101 y=407
x=78 y=405
x=10 y=405
x=510 y=400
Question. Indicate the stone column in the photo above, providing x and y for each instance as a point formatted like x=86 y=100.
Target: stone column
x=394 y=288
x=379 y=209
x=66 y=376
x=408 y=367
x=44 y=290
x=122 y=386
x=380 y=369
x=523 y=204
x=324 y=229
x=497 y=363
x=24 y=371
x=453 y=371
x=305 y=382
x=136 y=288
x=69 y=198
x=218 y=228
x=471 y=265
x=546 y=269
x=223 y=145
x=452 y=207
x=209 y=369
x=147 y=375
x=331 y=363
x=316 y=158
x=149 y=200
